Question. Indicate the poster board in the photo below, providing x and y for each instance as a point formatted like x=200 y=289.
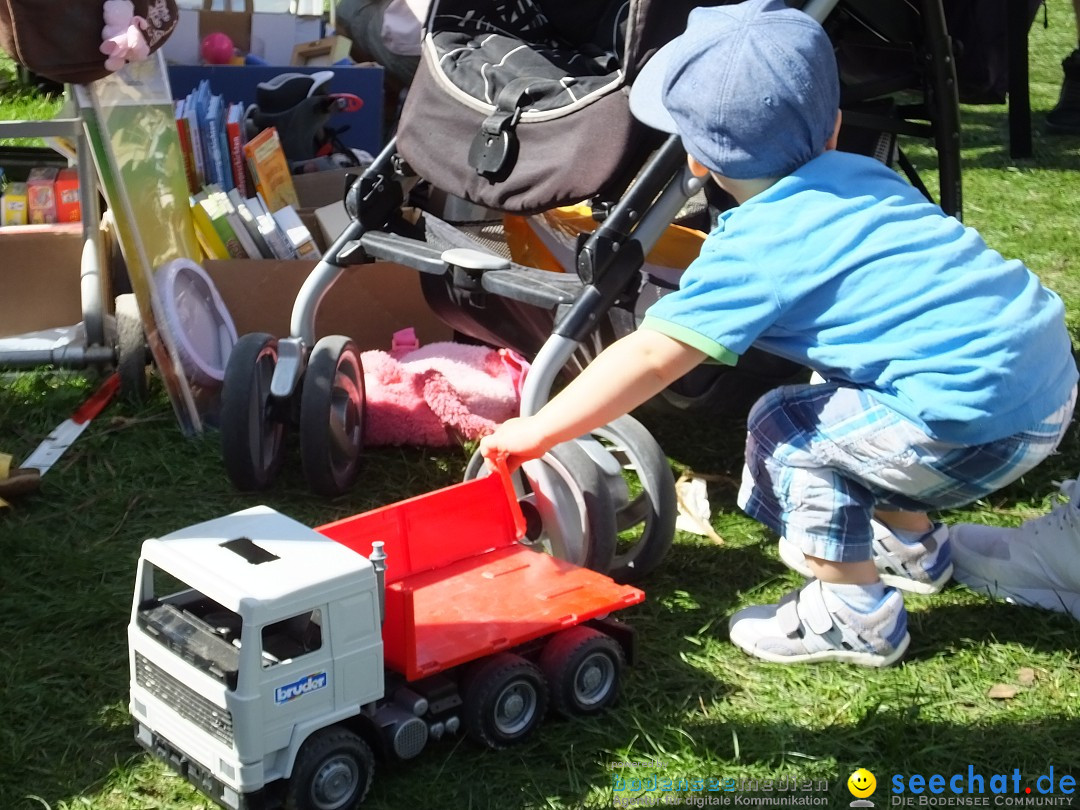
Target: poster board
x=131 y=128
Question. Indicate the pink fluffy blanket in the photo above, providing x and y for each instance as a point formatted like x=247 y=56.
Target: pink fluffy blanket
x=439 y=394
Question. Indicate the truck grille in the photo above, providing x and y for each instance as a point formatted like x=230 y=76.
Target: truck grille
x=190 y=705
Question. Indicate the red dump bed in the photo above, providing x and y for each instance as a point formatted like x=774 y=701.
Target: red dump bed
x=458 y=583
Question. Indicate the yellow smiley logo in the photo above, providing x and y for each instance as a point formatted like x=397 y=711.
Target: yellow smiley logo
x=861 y=783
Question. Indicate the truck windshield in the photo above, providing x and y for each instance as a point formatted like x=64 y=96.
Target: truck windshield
x=193 y=626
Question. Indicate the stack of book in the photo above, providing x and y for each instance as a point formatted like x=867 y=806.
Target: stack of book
x=231 y=225
x=212 y=140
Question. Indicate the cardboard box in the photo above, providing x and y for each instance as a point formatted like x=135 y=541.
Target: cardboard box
x=368 y=303
x=68 y=206
x=39 y=276
x=322 y=206
x=41 y=195
x=325 y=52
x=317 y=189
x=330 y=221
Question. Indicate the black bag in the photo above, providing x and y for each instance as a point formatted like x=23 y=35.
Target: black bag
x=61 y=39
x=509 y=93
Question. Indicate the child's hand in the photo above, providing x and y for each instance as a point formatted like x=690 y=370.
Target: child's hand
x=517 y=440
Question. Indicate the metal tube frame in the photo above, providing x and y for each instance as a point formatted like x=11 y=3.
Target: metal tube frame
x=91 y=277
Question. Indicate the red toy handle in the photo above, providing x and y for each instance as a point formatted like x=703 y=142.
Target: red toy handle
x=503 y=472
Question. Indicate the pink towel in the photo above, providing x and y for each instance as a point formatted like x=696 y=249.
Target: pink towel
x=440 y=394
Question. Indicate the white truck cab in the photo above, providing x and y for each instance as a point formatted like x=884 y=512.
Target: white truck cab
x=248 y=633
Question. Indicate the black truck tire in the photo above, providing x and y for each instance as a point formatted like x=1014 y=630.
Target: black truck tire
x=333 y=771
x=583 y=668
x=504 y=698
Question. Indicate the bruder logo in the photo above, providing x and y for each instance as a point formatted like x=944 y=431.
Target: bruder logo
x=307 y=684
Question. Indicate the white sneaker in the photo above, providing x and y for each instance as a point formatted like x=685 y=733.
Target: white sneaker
x=814 y=624
x=923 y=567
x=1036 y=564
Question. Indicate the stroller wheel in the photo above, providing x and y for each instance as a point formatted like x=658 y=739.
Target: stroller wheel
x=569 y=514
x=332 y=416
x=252 y=430
x=643 y=494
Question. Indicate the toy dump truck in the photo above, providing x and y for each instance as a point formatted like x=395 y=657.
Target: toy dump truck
x=272 y=663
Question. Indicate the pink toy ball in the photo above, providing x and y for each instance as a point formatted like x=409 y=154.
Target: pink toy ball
x=217 y=49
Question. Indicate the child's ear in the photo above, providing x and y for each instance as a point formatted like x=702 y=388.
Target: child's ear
x=835 y=137
x=696 y=168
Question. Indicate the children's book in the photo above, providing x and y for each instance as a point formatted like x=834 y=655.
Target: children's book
x=234 y=131
x=300 y=239
x=211 y=243
x=270 y=170
x=194 y=131
x=268 y=227
x=210 y=202
x=185 y=146
x=221 y=170
x=225 y=205
x=247 y=219
x=202 y=114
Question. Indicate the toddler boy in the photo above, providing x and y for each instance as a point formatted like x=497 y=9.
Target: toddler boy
x=948 y=371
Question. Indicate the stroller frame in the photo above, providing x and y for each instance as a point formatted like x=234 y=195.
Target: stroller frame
x=577 y=492
x=579 y=500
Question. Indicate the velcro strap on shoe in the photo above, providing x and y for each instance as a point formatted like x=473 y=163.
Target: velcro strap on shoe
x=787 y=614
x=935 y=537
x=813 y=610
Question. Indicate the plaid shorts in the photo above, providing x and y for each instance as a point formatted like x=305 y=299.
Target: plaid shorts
x=821 y=458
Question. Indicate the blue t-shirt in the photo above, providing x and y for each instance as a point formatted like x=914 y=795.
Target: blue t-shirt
x=844 y=267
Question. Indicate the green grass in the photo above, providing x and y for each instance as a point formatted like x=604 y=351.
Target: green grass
x=20 y=102
x=693 y=703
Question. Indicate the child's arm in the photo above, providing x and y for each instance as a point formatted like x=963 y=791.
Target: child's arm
x=623 y=376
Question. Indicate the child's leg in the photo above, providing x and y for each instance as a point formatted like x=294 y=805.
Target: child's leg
x=819 y=460
x=850 y=573
x=822 y=462
x=795 y=484
x=910 y=552
x=915 y=522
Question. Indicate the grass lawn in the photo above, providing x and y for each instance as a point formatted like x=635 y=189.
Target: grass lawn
x=694 y=707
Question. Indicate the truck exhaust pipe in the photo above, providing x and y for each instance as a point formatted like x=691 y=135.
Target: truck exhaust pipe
x=378 y=562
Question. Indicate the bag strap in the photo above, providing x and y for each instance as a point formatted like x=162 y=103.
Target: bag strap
x=494 y=148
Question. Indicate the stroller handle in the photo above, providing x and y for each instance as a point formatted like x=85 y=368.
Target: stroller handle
x=608 y=283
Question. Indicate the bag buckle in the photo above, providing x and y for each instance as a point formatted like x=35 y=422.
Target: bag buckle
x=495 y=144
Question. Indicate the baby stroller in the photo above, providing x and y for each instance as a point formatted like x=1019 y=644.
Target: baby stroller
x=508 y=92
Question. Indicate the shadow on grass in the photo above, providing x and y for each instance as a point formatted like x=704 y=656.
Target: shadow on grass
x=985 y=138
x=690 y=699
x=65 y=589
